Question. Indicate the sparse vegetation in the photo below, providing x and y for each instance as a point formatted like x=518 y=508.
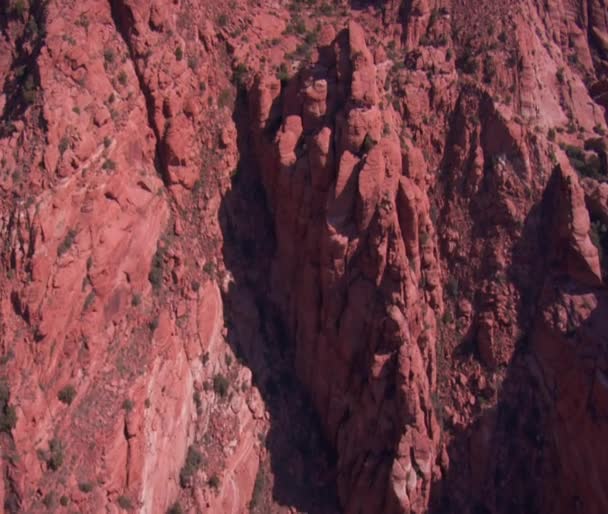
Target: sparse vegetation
x=18 y=8
x=194 y=461
x=85 y=487
x=214 y=482
x=368 y=144
x=258 y=488
x=64 y=144
x=451 y=287
x=153 y=325
x=136 y=300
x=125 y=502
x=239 y=74
x=176 y=508
x=156 y=272
x=283 y=72
x=447 y=318
x=55 y=459
x=89 y=301
x=560 y=75
x=122 y=78
x=224 y=98
x=179 y=53
x=49 y=500
x=588 y=167
x=222 y=20
x=108 y=164
x=67 y=394
x=64 y=501
x=468 y=63
x=489 y=69
x=8 y=416
x=67 y=242
x=83 y=21
x=220 y=385
x=127 y=405
x=108 y=55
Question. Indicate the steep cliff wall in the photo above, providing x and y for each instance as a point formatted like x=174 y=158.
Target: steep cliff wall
x=303 y=256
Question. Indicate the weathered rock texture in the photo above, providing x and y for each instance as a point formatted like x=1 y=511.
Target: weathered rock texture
x=304 y=256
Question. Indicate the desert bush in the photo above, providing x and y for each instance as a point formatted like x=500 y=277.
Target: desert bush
x=220 y=385
x=55 y=460
x=194 y=461
x=67 y=242
x=67 y=394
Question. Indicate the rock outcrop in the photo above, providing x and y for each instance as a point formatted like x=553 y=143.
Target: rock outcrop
x=303 y=256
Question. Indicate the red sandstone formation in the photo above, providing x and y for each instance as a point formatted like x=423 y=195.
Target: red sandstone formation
x=304 y=256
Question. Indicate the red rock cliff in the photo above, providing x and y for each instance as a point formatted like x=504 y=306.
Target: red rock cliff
x=303 y=256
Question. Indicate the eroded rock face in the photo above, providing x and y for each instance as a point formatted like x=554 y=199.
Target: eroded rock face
x=401 y=207
x=353 y=241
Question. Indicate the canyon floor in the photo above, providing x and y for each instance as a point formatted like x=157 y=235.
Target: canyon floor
x=304 y=256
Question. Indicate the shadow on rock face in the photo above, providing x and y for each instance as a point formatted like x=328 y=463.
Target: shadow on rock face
x=530 y=453
x=298 y=459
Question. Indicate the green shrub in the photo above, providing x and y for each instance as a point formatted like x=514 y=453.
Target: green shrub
x=8 y=416
x=224 y=98
x=179 y=53
x=214 y=482
x=18 y=8
x=489 y=69
x=560 y=75
x=176 y=508
x=239 y=74
x=156 y=272
x=452 y=287
x=49 y=500
x=222 y=20
x=55 y=459
x=67 y=394
x=447 y=318
x=88 y=301
x=67 y=242
x=125 y=502
x=85 y=487
x=109 y=164
x=283 y=73
x=153 y=325
x=108 y=55
x=587 y=167
x=194 y=461
x=368 y=144
x=122 y=78
x=64 y=144
x=220 y=385
x=127 y=405
x=64 y=501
